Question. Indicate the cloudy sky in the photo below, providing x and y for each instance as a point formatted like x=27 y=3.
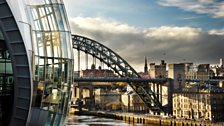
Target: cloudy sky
x=174 y=30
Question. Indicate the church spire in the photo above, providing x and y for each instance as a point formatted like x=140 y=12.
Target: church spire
x=146 y=66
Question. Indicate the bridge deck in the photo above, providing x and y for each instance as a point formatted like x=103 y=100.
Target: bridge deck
x=161 y=80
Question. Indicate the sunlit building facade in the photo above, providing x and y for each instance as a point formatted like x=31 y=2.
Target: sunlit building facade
x=177 y=73
x=199 y=102
x=36 y=63
x=158 y=71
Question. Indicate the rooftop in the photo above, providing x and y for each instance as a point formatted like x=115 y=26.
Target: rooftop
x=201 y=88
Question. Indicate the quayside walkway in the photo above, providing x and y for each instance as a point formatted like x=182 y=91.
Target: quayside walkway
x=148 y=119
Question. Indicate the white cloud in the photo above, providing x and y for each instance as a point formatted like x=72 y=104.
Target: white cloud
x=216 y=32
x=133 y=44
x=167 y=32
x=100 y=24
x=213 y=8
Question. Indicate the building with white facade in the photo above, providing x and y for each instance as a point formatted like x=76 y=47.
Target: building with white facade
x=199 y=102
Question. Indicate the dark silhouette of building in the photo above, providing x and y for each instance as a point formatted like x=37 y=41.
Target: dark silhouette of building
x=146 y=66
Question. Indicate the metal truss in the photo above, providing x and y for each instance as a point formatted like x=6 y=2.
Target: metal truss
x=104 y=54
x=120 y=66
x=99 y=79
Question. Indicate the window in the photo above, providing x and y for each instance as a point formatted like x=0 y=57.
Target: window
x=53 y=58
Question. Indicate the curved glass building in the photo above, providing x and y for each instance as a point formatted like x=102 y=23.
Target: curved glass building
x=36 y=63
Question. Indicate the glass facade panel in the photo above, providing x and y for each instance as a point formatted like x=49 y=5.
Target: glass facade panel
x=53 y=59
x=64 y=44
x=59 y=18
x=69 y=46
x=66 y=25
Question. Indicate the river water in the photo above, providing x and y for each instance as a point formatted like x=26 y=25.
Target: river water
x=96 y=121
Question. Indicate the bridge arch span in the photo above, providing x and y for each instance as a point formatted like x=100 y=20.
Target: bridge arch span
x=119 y=65
x=105 y=55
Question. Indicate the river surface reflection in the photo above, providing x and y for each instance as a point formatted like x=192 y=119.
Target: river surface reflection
x=96 y=121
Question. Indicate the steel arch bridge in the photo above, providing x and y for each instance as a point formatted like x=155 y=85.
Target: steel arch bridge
x=120 y=66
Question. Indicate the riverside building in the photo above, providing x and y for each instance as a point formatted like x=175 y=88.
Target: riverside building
x=199 y=102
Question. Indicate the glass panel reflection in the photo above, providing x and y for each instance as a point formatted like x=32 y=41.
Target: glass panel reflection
x=53 y=60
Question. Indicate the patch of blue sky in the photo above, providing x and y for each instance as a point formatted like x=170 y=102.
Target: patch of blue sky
x=141 y=13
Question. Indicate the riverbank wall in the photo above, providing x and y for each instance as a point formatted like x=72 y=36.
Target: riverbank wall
x=147 y=120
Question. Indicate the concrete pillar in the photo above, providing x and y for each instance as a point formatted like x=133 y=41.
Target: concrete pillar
x=157 y=91
x=154 y=88
x=92 y=99
x=170 y=95
x=161 y=93
x=158 y=95
x=80 y=92
x=91 y=92
x=75 y=92
x=129 y=103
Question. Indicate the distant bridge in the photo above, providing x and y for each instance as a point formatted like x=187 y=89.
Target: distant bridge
x=134 y=80
x=120 y=67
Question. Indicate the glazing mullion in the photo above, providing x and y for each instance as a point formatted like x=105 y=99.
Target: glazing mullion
x=58 y=91
x=62 y=84
x=45 y=60
x=66 y=87
x=51 y=44
x=44 y=15
x=43 y=18
x=48 y=22
x=37 y=63
x=51 y=31
x=61 y=87
x=54 y=17
x=62 y=13
x=57 y=28
x=60 y=48
x=44 y=46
